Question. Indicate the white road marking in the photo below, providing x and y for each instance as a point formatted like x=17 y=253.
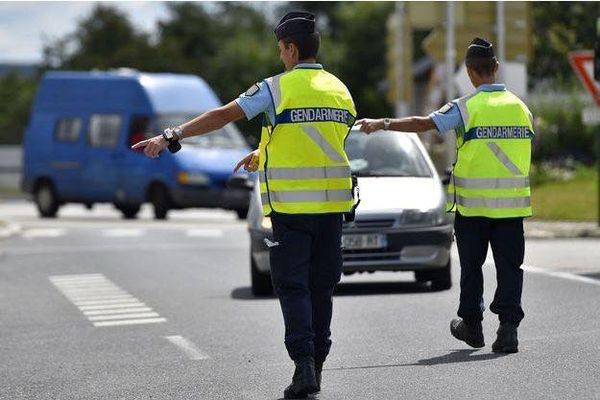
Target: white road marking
x=43 y=233
x=102 y=302
x=130 y=322
x=112 y=311
x=131 y=232
x=133 y=304
x=204 y=232
x=189 y=348
x=562 y=275
x=123 y=316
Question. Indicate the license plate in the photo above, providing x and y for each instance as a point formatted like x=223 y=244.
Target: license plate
x=365 y=241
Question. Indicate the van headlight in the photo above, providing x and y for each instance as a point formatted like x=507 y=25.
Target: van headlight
x=424 y=217
x=193 y=178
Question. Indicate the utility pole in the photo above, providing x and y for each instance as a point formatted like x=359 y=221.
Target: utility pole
x=450 y=137
x=501 y=35
x=401 y=105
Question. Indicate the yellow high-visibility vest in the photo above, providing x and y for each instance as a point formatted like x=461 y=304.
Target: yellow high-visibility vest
x=303 y=167
x=491 y=175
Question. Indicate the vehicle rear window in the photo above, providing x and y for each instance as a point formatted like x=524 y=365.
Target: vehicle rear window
x=67 y=129
x=104 y=130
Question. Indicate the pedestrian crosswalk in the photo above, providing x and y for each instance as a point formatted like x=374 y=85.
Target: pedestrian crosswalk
x=102 y=302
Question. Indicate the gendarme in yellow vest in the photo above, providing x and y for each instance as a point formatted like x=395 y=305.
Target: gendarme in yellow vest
x=491 y=175
x=303 y=168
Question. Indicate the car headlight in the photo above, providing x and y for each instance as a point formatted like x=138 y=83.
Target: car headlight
x=266 y=223
x=423 y=217
x=193 y=178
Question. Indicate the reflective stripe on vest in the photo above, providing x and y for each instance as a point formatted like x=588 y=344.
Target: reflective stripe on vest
x=491 y=175
x=303 y=167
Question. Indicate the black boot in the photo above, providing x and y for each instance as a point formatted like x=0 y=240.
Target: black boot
x=304 y=381
x=506 y=341
x=470 y=333
x=318 y=372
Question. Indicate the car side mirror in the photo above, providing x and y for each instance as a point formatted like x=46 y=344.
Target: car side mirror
x=240 y=182
x=446 y=177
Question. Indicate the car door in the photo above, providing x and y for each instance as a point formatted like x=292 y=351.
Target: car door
x=65 y=160
x=103 y=154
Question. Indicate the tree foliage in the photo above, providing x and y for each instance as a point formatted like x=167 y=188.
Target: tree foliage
x=16 y=97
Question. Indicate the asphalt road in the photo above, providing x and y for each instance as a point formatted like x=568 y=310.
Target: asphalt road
x=206 y=337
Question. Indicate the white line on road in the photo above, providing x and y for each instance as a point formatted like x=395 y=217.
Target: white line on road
x=102 y=302
x=123 y=316
x=43 y=233
x=112 y=311
x=189 y=348
x=204 y=232
x=135 y=303
x=130 y=322
x=562 y=275
x=122 y=232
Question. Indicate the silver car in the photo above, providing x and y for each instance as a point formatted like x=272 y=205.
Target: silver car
x=401 y=223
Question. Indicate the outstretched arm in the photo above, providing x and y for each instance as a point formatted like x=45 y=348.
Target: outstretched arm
x=204 y=123
x=408 y=124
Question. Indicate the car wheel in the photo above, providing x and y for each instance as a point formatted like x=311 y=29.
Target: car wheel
x=160 y=201
x=442 y=279
x=261 y=282
x=46 y=200
x=242 y=213
x=129 y=211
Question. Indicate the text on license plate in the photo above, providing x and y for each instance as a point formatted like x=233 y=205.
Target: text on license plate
x=364 y=241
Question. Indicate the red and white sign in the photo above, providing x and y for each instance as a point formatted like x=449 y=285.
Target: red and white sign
x=583 y=65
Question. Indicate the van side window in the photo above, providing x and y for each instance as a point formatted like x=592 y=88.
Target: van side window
x=138 y=130
x=104 y=130
x=67 y=129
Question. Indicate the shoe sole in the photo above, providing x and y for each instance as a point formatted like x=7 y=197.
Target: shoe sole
x=476 y=345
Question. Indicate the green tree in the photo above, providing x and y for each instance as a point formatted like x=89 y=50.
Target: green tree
x=16 y=96
x=106 y=39
x=558 y=28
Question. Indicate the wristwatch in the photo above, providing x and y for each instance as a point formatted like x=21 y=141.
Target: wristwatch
x=173 y=134
x=169 y=136
x=386 y=124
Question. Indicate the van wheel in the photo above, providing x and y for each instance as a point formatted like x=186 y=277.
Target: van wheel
x=129 y=211
x=160 y=201
x=46 y=200
x=261 y=282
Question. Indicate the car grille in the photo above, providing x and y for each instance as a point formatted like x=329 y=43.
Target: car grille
x=374 y=223
x=370 y=255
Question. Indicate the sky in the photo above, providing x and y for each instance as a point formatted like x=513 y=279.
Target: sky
x=26 y=26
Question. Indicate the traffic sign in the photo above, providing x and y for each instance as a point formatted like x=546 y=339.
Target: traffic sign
x=582 y=63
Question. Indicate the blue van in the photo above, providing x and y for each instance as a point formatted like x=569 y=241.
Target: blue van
x=82 y=125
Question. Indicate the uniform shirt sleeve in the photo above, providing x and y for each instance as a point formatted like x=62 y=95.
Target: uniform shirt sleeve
x=256 y=100
x=447 y=118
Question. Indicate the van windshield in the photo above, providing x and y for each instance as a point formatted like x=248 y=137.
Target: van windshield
x=228 y=137
x=385 y=154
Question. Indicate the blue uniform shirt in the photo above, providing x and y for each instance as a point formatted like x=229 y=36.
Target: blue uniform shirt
x=257 y=99
x=448 y=117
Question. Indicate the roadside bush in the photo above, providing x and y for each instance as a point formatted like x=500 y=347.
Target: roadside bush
x=560 y=133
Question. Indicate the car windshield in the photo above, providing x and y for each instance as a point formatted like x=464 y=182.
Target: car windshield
x=385 y=154
x=227 y=137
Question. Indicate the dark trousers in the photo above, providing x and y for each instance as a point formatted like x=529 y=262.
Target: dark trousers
x=473 y=234
x=306 y=264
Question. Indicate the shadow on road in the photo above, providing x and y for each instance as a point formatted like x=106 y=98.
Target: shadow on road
x=455 y=356
x=349 y=289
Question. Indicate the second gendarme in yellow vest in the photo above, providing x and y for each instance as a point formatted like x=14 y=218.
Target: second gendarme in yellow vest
x=491 y=175
x=303 y=168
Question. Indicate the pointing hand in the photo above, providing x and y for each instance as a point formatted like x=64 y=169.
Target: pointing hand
x=369 y=125
x=152 y=146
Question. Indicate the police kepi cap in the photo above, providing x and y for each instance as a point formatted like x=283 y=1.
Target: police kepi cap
x=295 y=23
x=480 y=48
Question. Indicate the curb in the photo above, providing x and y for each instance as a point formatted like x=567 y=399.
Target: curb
x=558 y=230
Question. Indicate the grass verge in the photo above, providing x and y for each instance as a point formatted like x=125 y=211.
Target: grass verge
x=572 y=199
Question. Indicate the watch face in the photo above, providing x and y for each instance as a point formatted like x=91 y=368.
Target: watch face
x=168 y=134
